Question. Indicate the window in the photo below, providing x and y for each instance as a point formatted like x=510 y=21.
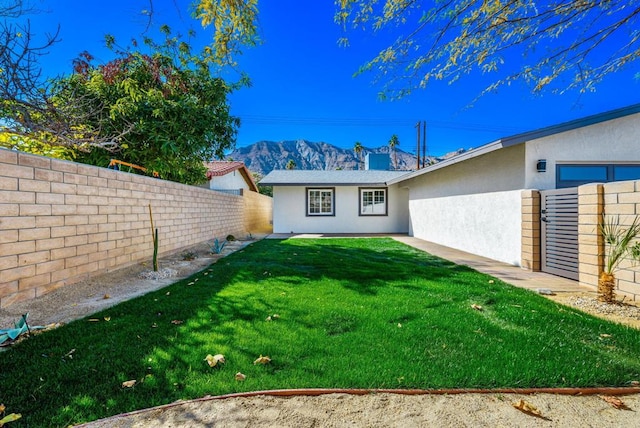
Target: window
x=373 y=201
x=320 y=202
x=576 y=175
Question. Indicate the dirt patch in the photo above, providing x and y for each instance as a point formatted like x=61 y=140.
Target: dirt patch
x=385 y=410
x=332 y=410
x=100 y=292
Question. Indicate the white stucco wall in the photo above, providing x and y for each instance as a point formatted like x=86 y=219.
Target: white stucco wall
x=614 y=141
x=496 y=171
x=232 y=181
x=487 y=224
x=289 y=212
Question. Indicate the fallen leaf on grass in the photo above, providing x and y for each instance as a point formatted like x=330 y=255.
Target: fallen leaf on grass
x=240 y=377
x=262 y=360
x=10 y=418
x=93 y=320
x=528 y=408
x=129 y=383
x=213 y=360
x=191 y=283
x=177 y=322
x=106 y=296
x=107 y=319
x=476 y=307
x=491 y=281
x=605 y=335
x=615 y=402
x=2 y=408
x=268 y=318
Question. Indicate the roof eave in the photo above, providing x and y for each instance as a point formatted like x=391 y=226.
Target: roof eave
x=317 y=184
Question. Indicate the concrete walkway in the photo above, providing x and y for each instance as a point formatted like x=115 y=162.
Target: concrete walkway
x=513 y=275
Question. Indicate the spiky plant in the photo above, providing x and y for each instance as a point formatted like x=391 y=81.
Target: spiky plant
x=620 y=242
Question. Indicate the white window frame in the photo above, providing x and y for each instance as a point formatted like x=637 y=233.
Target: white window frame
x=369 y=198
x=327 y=201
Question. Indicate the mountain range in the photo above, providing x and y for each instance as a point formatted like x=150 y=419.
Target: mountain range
x=265 y=156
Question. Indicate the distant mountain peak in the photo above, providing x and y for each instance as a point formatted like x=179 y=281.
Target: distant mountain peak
x=263 y=157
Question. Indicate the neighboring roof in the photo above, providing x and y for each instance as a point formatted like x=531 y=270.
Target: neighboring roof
x=295 y=177
x=220 y=168
x=524 y=137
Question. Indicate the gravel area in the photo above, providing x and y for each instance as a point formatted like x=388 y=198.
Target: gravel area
x=593 y=305
x=622 y=311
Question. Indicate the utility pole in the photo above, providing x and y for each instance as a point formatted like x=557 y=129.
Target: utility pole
x=424 y=143
x=418 y=141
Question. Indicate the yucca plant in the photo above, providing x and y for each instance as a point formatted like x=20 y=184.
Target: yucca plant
x=620 y=242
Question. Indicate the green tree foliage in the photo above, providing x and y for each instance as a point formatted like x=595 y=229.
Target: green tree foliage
x=26 y=144
x=581 y=40
x=234 y=23
x=170 y=113
x=291 y=164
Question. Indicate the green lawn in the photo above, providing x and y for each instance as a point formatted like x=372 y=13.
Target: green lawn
x=353 y=313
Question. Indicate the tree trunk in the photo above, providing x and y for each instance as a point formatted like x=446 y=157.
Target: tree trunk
x=606 y=287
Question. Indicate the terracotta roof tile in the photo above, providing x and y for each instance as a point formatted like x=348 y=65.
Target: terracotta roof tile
x=220 y=168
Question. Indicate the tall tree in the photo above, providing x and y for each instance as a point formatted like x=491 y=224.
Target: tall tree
x=393 y=142
x=28 y=112
x=357 y=148
x=175 y=113
x=582 y=41
x=291 y=164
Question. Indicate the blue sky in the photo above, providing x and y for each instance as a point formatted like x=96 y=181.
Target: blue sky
x=303 y=85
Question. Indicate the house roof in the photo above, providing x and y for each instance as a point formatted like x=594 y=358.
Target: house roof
x=220 y=168
x=523 y=138
x=296 y=177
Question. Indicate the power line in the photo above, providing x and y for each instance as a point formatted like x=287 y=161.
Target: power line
x=371 y=122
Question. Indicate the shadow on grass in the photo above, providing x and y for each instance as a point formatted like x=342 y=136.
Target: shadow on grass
x=295 y=300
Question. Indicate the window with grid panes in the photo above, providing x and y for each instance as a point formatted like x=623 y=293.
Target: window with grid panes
x=373 y=201
x=320 y=202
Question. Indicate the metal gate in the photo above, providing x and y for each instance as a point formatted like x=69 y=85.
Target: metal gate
x=559 y=232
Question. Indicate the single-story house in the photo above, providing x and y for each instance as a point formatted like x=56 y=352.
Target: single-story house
x=230 y=177
x=338 y=201
x=474 y=201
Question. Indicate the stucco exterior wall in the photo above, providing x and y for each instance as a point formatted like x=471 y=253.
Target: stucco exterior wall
x=613 y=141
x=497 y=171
x=232 y=181
x=289 y=212
x=487 y=224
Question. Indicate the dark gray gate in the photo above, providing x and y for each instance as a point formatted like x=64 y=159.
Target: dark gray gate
x=559 y=232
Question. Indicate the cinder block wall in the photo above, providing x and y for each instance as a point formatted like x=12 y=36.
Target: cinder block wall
x=619 y=201
x=258 y=211
x=61 y=222
x=530 y=258
x=622 y=202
